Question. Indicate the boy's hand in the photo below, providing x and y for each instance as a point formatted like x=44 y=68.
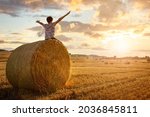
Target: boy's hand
x=37 y=21
x=69 y=12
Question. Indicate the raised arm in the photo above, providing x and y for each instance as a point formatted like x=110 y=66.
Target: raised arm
x=61 y=18
x=39 y=22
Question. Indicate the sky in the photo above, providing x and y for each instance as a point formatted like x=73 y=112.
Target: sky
x=100 y=27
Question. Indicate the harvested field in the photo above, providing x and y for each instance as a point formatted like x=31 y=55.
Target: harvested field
x=92 y=79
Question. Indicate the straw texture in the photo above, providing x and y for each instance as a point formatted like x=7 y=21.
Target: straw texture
x=43 y=66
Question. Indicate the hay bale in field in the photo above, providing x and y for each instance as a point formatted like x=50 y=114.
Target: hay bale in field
x=148 y=60
x=42 y=66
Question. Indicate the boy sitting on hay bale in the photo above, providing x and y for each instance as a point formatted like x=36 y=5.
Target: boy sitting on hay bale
x=50 y=27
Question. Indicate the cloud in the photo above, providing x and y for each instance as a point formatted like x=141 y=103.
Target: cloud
x=93 y=34
x=8 y=7
x=105 y=10
x=137 y=31
x=75 y=5
x=143 y=4
x=38 y=29
x=85 y=45
x=2 y=41
x=88 y=46
x=58 y=29
x=87 y=28
x=76 y=15
x=66 y=26
x=147 y=34
x=13 y=7
x=76 y=26
x=71 y=47
x=108 y=12
x=110 y=9
x=40 y=16
x=63 y=38
x=142 y=50
x=97 y=48
x=16 y=33
x=11 y=42
x=115 y=11
x=93 y=31
x=35 y=28
x=15 y=42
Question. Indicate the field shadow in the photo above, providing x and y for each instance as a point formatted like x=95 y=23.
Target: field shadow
x=8 y=93
x=11 y=93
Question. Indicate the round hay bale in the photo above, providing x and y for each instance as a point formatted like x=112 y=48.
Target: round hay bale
x=42 y=66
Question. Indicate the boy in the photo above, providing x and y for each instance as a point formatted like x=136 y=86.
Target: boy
x=50 y=27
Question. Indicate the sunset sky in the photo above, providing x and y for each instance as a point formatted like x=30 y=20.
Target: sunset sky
x=101 y=27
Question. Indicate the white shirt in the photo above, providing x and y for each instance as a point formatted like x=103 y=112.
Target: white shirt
x=49 y=30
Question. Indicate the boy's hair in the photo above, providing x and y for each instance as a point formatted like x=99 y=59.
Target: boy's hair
x=49 y=19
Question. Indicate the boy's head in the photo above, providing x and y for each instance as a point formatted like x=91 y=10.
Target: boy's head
x=49 y=19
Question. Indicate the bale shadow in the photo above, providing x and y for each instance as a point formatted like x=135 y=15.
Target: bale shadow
x=10 y=93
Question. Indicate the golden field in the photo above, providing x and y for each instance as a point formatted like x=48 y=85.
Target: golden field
x=92 y=77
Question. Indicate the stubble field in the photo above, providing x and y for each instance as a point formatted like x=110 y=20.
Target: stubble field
x=91 y=78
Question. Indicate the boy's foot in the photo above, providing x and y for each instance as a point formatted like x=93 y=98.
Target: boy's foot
x=53 y=38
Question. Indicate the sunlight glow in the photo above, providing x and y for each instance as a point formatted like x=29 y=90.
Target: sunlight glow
x=119 y=43
x=75 y=5
x=120 y=46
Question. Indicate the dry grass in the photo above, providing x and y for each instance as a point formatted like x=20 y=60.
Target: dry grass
x=93 y=79
x=42 y=66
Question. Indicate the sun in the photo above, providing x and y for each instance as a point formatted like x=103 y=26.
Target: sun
x=121 y=43
x=120 y=46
